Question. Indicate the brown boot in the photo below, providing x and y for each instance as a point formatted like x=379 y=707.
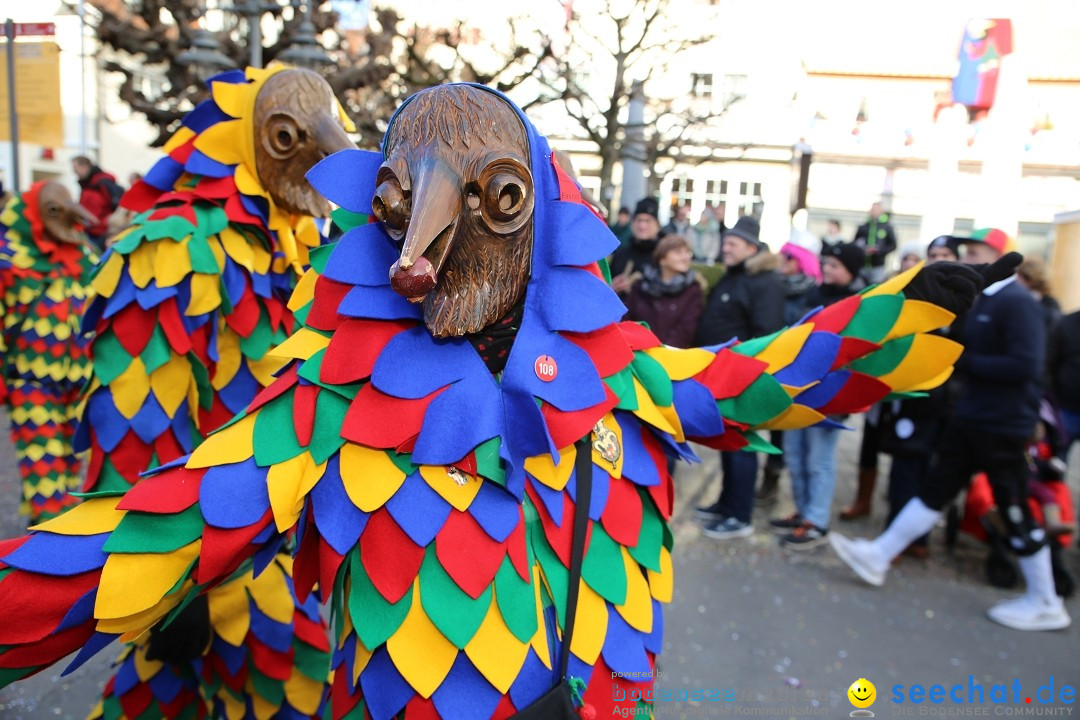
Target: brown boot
x=864 y=495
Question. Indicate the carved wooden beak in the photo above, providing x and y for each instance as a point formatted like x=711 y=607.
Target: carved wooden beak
x=436 y=207
x=329 y=136
x=81 y=216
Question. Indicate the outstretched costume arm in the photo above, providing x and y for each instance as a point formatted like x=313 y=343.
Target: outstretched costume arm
x=116 y=564
x=836 y=360
x=120 y=562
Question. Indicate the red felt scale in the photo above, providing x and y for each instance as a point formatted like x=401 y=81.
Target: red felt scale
x=607 y=347
x=565 y=428
x=222 y=549
x=730 y=373
x=274 y=664
x=304 y=400
x=355 y=347
x=389 y=556
x=622 y=513
x=852 y=348
x=518 y=552
x=164 y=493
x=365 y=422
x=474 y=570
x=858 y=394
x=837 y=316
x=638 y=336
x=328 y=296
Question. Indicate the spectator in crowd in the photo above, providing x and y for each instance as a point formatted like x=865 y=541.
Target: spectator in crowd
x=668 y=295
x=811 y=452
x=832 y=232
x=706 y=238
x=100 y=195
x=1064 y=365
x=748 y=302
x=680 y=223
x=1032 y=275
x=800 y=270
x=945 y=248
x=621 y=227
x=910 y=256
x=911 y=428
x=800 y=267
x=878 y=239
x=996 y=413
x=719 y=210
x=637 y=253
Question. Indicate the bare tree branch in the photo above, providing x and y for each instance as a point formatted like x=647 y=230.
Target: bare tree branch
x=399 y=59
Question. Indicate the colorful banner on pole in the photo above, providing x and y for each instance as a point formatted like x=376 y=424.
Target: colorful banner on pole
x=986 y=42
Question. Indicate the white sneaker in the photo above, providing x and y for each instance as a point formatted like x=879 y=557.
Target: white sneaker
x=1029 y=613
x=861 y=556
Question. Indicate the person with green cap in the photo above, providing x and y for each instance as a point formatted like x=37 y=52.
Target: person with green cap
x=878 y=239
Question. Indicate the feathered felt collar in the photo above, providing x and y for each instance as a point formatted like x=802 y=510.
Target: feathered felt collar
x=444 y=402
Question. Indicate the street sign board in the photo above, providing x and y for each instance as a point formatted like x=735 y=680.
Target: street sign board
x=34 y=29
x=37 y=94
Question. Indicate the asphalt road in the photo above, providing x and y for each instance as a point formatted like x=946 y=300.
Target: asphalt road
x=768 y=632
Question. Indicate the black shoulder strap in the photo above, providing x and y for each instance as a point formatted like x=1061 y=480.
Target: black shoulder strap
x=583 y=473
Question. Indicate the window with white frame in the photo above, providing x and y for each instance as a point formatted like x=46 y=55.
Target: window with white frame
x=682 y=191
x=701 y=85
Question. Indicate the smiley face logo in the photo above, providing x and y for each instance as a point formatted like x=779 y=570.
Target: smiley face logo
x=862 y=693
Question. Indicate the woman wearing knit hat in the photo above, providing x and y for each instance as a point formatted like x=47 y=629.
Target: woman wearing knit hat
x=800 y=270
x=811 y=452
x=800 y=266
x=910 y=256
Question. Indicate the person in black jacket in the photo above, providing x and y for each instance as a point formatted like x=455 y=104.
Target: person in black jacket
x=632 y=257
x=877 y=237
x=996 y=412
x=748 y=302
x=1064 y=364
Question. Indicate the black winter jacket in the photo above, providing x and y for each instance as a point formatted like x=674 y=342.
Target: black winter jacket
x=1002 y=367
x=1065 y=362
x=748 y=302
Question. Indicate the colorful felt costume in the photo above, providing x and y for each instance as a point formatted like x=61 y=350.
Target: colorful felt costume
x=190 y=300
x=434 y=498
x=43 y=290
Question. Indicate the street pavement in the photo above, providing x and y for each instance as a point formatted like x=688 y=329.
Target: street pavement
x=771 y=633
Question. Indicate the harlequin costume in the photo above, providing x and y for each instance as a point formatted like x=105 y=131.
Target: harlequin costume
x=43 y=290
x=431 y=496
x=191 y=298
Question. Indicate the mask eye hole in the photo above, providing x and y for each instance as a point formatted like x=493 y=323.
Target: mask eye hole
x=390 y=207
x=503 y=195
x=282 y=137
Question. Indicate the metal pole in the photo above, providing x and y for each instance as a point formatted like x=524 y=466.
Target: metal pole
x=805 y=158
x=633 y=151
x=82 y=77
x=254 y=16
x=9 y=31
